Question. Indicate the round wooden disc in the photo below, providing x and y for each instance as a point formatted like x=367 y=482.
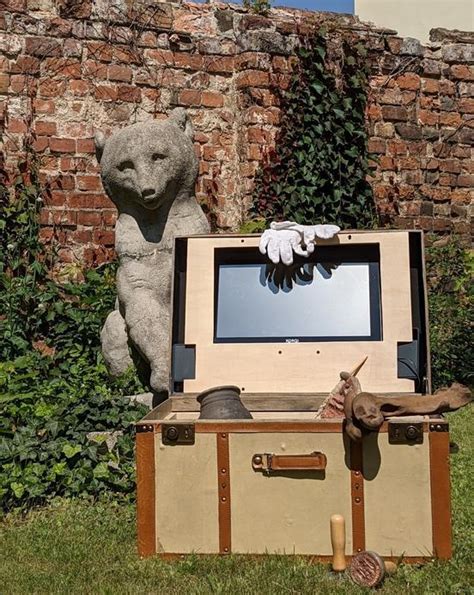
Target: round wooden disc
x=367 y=569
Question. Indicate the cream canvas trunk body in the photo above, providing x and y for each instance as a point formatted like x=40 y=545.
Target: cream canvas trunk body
x=271 y=484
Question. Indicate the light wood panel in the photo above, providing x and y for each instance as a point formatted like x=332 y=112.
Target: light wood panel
x=298 y=367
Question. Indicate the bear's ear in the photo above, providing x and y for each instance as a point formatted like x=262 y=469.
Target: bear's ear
x=181 y=117
x=99 y=141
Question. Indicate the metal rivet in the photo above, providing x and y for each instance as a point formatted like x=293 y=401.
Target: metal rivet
x=223 y=499
x=356 y=486
x=438 y=427
x=357 y=473
x=359 y=549
x=223 y=435
x=357 y=500
x=257 y=460
x=223 y=486
x=223 y=470
x=226 y=549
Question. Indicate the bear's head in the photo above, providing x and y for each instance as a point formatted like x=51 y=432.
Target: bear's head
x=150 y=163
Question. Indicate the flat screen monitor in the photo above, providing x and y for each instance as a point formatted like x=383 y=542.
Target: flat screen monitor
x=334 y=295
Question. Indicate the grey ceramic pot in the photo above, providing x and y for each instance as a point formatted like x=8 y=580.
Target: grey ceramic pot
x=222 y=402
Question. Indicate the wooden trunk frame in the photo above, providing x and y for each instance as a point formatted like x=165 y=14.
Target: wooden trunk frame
x=290 y=417
x=435 y=432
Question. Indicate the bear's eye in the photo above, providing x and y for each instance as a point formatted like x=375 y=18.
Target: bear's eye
x=125 y=165
x=158 y=156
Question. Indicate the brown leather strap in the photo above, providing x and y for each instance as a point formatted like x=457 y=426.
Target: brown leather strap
x=440 y=494
x=145 y=457
x=357 y=497
x=223 y=479
x=315 y=461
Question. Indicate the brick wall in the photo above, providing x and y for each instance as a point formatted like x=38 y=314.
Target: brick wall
x=69 y=68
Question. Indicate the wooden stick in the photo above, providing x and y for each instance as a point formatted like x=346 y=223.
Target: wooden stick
x=338 y=541
x=356 y=370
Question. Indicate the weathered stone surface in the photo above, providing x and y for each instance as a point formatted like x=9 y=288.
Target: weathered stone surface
x=459 y=52
x=411 y=47
x=148 y=170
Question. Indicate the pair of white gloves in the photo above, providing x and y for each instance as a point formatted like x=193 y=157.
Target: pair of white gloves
x=285 y=238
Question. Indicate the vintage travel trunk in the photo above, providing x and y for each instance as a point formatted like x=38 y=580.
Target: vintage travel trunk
x=282 y=335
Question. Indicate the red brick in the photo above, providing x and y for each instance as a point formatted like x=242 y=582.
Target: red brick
x=188 y=61
x=450 y=165
x=93 y=69
x=120 y=73
x=62 y=145
x=90 y=218
x=82 y=236
x=25 y=65
x=44 y=127
x=105 y=237
x=56 y=198
x=62 y=182
x=88 y=183
x=460 y=197
x=386 y=163
x=109 y=217
x=65 y=218
x=212 y=99
x=374 y=112
x=394 y=113
x=280 y=64
x=4 y=82
x=98 y=50
x=452 y=119
x=85 y=145
x=377 y=145
x=430 y=85
x=466 y=105
x=40 y=143
x=41 y=47
x=465 y=180
x=161 y=57
x=89 y=200
x=190 y=97
x=219 y=64
x=105 y=93
x=409 y=81
x=428 y=117
x=52 y=87
x=462 y=72
x=411 y=163
x=66 y=67
x=129 y=94
x=79 y=87
x=252 y=78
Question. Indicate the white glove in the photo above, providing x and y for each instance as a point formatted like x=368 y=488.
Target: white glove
x=285 y=238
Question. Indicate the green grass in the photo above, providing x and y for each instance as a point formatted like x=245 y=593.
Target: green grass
x=82 y=547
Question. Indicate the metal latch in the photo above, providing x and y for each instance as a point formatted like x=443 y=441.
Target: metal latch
x=177 y=434
x=405 y=433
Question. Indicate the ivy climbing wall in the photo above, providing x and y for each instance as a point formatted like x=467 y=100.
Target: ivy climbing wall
x=69 y=68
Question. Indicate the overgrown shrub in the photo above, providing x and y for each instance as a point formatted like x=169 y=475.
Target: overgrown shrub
x=318 y=170
x=451 y=313
x=54 y=387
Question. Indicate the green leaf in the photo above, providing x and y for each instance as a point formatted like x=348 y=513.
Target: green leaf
x=70 y=450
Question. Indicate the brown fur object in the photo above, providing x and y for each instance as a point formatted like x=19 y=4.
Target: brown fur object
x=370 y=410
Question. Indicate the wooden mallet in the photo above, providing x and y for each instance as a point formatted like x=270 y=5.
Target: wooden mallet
x=338 y=541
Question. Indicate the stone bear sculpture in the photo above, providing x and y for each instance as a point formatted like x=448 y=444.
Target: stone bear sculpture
x=149 y=171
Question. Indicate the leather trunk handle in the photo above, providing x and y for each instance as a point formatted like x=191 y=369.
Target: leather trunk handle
x=269 y=463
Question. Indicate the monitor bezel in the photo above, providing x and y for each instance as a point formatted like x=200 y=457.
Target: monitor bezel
x=365 y=253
